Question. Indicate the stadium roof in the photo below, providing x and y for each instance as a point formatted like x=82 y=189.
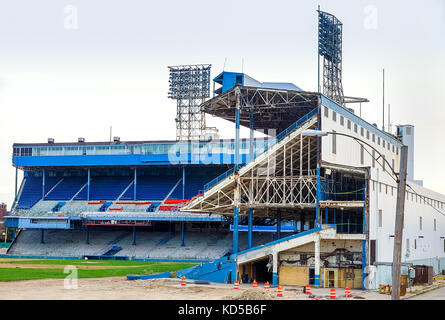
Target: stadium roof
x=271 y=108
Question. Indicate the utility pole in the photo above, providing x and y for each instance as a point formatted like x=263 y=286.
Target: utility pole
x=398 y=235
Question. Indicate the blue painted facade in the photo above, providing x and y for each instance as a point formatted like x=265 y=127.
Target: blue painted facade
x=127 y=160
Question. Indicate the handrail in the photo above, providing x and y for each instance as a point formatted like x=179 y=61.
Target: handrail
x=270 y=144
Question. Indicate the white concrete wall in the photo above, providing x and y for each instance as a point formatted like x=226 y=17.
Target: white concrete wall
x=428 y=250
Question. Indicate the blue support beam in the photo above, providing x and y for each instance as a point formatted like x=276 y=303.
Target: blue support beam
x=182 y=234
x=42 y=235
x=237 y=129
x=88 y=184
x=43 y=184
x=183 y=182
x=135 y=184
x=278 y=225
x=87 y=236
x=249 y=228
x=274 y=279
x=317 y=215
x=134 y=236
x=235 y=229
x=251 y=151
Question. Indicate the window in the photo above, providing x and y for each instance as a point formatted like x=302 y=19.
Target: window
x=383 y=163
x=362 y=132
x=373 y=137
x=407 y=245
x=334 y=143
x=367 y=134
x=420 y=223
x=397 y=151
x=355 y=127
x=393 y=148
x=342 y=120
x=392 y=191
x=393 y=164
x=373 y=185
x=389 y=146
x=378 y=140
x=415 y=243
x=386 y=191
x=334 y=116
x=408 y=131
x=380 y=187
x=349 y=124
x=373 y=158
x=362 y=155
x=383 y=143
x=380 y=218
x=435 y=224
x=326 y=112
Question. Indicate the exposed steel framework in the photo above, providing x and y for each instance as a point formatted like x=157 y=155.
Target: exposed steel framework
x=330 y=31
x=189 y=86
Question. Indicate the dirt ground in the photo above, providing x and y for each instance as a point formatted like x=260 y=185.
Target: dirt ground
x=119 y=288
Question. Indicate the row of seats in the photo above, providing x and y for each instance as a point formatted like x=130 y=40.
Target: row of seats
x=154 y=188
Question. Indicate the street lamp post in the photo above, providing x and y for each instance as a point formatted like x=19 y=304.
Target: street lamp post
x=400 y=205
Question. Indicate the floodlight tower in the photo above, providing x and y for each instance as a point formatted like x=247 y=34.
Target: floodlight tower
x=189 y=86
x=330 y=31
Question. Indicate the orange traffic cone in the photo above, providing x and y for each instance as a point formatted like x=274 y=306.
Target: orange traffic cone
x=308 y=289
x=280 y=291
x=236 y=284
x=255 y=284
x=348 y=292
x=183 y=281
x=333 y=293
x=266 y=286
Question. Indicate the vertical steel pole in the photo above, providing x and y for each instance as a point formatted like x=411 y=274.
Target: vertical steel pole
x=135 y=183
x=43 y=185
x=183 y=182
x=250 y=228
x=88 y=185
x=237 y=190
x=398 y=232
x=15 y=194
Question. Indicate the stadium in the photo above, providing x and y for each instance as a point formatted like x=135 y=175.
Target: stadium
x=289 y=208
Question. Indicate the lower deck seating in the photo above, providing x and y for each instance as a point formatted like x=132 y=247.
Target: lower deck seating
x=149 y=245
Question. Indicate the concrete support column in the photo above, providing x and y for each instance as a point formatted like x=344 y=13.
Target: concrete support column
x=249 y=228
x=317 y=263
x=274 y=269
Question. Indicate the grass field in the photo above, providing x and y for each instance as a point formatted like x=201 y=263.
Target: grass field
x=33 y=269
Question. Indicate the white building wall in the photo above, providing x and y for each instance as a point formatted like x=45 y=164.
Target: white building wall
x=426 y=245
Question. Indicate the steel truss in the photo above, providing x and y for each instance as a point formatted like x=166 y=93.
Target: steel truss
x=189 y=86
x=283 y=177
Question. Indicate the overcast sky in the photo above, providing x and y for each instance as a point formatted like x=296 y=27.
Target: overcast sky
x=72 y=69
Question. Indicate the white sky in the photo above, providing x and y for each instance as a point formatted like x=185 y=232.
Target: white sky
x=112 y=70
